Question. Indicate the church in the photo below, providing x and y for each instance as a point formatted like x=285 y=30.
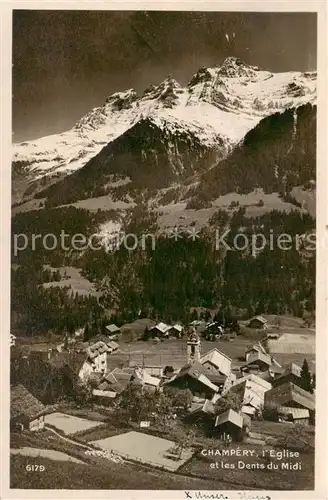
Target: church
x=204 y=375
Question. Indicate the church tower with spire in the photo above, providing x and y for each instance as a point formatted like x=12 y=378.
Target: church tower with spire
x=193 y=346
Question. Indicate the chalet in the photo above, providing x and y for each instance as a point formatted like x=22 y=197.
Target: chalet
x=230 y=422
x=116 y=381
x=257 y=358
x=251 y=390
x=295 y=415
x=103 y=397
x=289 y=394
x=251 y=351
x=176 y=331
x=251 y=401
x=147 y=382
x=291 y=374
x=192 y=377
x=112 y=331
x=160 y=330
x=112 y=346
x=26 y=411
x=216 y=366
x=262 y=385
x=258 y=322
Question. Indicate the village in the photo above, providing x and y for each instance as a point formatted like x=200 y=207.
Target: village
x=162 y=398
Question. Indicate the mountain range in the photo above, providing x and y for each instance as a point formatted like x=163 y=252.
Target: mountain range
x=231 y=129
x=235 y=148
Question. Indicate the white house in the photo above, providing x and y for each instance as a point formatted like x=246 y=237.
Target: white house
x=96 y=361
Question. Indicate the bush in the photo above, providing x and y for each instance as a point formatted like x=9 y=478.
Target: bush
x=229 y=401
x=168 y=370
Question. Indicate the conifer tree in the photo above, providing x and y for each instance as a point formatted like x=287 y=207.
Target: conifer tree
x=306 y=379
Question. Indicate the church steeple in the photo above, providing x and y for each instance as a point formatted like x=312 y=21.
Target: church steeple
x=193 y=346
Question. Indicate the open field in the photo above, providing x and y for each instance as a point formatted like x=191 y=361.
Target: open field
x=70 y=424
x=144 y=448
x=173 y=352
x=176 y=214
x=197 y=473
x=101 y=202
x=71 y=277
x=293 y=344
x=42 y=453
x=105 y=476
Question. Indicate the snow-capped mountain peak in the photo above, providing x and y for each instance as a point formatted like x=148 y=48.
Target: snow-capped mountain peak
x=166 y=93
x=233 y=67
x=219 y=106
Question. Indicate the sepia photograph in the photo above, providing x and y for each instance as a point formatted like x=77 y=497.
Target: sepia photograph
x=163 y=251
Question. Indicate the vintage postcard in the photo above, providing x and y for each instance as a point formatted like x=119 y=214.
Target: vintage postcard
x=164 y=187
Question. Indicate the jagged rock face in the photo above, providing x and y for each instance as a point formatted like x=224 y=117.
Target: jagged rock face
x=215 y=110
x=233 y=67
x=203 y=75
x=122 y=100
x=166 y=93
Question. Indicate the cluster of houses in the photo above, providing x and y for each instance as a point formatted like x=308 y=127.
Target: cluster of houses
x=162 y=330
x=260 y=381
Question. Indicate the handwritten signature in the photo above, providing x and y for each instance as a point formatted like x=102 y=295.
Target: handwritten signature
x=198 y=495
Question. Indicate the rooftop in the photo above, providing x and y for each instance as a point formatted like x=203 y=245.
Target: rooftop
x=294 y=369
x=96 y=349
x=220 y=360
x=229 y=416
x=261 y=319
x=145 y=378
x=254 y=380
x=196 y=371
x=296 y=413
x=24 y=404
x=162 y=327
x=286 y=393
x=177 y=327
x=112 y=328
x=113 y=345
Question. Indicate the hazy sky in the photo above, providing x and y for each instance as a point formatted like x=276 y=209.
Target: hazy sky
x=67 y=62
